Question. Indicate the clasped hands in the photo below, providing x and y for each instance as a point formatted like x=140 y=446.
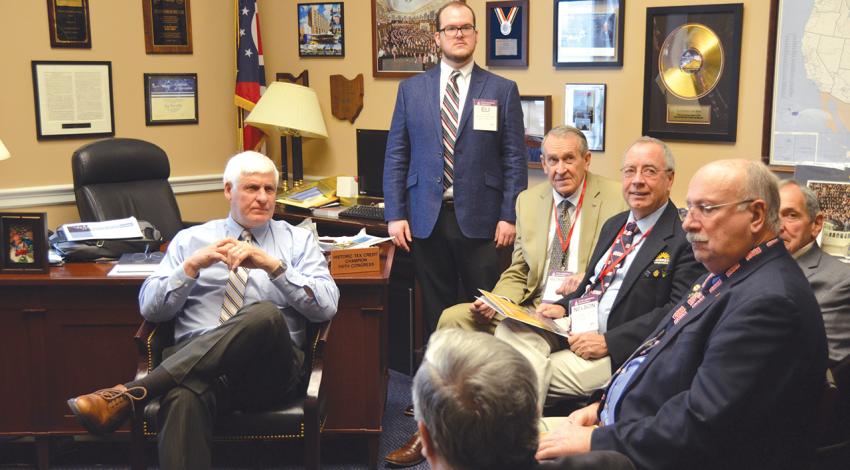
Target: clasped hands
x=233 y=253
x=399 y=231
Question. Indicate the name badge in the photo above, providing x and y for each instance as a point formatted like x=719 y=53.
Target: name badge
x=584 y=314
x=485 y=115
x=553 y=282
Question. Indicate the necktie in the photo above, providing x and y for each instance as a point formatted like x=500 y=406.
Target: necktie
x=621 y=244
x=449 y=118
x=234 y=290
x=558 y=256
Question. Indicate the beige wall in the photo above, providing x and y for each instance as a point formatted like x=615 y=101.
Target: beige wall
x=202 y=149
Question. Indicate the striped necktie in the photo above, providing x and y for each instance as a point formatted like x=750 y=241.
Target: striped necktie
x=449 y=118
x=558 y=256
x=234 y=290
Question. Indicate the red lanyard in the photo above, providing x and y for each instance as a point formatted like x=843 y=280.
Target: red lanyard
x=610 y=267
x=565 y=244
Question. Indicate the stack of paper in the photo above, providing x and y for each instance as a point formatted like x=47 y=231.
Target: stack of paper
x=136 y=264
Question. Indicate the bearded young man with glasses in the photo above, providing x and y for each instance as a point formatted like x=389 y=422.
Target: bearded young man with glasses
x=640 y=267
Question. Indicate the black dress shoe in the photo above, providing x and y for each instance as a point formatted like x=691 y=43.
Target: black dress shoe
x=407 y=455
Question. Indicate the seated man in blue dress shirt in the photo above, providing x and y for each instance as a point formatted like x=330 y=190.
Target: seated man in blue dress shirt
x=240 y=291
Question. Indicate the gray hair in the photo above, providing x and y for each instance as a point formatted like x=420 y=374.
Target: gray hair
x=563 y=131
x=812 y=204
x=477 y=397
x=762 y=184
x=248 y=163
x=669 y=161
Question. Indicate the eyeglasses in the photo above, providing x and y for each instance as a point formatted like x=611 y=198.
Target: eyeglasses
x=706 y=210
x=465 y=30
x=648 y=172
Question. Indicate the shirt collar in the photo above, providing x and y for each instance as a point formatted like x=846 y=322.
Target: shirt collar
x=235 y=230
x=573 y=198
x=802 y=251
x=649 y=221
x=446 y=70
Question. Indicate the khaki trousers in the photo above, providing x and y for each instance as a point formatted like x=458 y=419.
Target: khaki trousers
x=459 y=316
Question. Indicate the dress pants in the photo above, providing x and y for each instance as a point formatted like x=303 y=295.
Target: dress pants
x=248 y=363
x=447 y=255
x=459 y=316
x=560 y=372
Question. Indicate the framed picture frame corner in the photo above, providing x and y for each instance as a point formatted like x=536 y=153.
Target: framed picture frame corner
x=23 y=239
x=507 y=33
x=588 y=33
x=321 y=29
x=585 y=109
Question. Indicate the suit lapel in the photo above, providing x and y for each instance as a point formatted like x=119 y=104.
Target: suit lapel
x=810 y=261
x=476 y=86
x=589 y=211
x=606 y=239
x=539 y=250
x=433 y=102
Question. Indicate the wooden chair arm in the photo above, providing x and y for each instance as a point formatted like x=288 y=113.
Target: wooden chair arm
x=314 y=381
x=146 y=329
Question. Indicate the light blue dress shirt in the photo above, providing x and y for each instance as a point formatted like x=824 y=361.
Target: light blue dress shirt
x=607 y=300
x=195 y=304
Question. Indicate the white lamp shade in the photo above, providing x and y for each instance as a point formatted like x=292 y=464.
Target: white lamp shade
x=288 y=109
x=4 y=152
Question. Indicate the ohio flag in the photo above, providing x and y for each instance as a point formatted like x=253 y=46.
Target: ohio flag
x=250 y=70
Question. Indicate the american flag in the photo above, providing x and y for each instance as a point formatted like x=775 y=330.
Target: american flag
x=250 y=69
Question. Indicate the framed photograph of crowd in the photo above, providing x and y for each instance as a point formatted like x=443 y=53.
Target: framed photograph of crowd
x=832 y=187
x=507 y=33
x=584 y=109
x=403 y=37
x=23 y=237
x=588 y=33
x=321 y=30
x=537 y=120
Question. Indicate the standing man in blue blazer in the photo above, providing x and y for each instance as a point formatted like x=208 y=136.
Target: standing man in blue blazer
x=455 y=163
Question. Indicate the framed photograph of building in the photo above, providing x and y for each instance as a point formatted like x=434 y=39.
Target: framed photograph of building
x=537 y=120
x=584 y=109
x=321 y=30
x=403 y=37
x=171 y=98
x=588 y=33
x=507 y=33
x=23 y=238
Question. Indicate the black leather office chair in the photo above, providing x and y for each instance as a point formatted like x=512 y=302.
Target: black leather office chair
x=118 y=178
x=301 y=419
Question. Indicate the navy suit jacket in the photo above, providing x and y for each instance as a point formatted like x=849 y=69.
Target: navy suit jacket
x=661 y=274
x=735 y=384
x=490 y=168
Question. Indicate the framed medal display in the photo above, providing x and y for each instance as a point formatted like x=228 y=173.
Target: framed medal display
x=691 y=72
x=588 y=33
x=507 y=33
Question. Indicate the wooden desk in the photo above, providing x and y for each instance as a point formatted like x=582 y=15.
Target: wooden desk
x=71 y=331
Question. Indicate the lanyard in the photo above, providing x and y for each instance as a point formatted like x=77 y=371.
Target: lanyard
x=610 y=266
x=565 y=244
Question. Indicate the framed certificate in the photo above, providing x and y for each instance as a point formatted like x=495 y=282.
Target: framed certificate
x=171 y=98
x=507 y=33
x=584 y=109
x=69 y=24
x=73 y=99
x=168 y=26
x=588 y=33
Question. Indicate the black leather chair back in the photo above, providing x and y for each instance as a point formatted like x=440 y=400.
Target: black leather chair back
x=117 y=178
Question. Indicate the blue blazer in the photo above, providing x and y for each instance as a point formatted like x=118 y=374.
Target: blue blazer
x=490 y=168
x=735 y=384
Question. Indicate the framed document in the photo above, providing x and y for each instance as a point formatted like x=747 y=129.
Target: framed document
x=168 y=26
x=588 y=33
x=507 y=33
x=693 y=59
x=73 y=99
x=403 y=37
x=23 y=238
x=584 y=109
x=171 y=98
x=321 y=30
x=69 y=24
x=537 y=120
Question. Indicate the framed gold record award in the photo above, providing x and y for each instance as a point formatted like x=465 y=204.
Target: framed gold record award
x=693 y=60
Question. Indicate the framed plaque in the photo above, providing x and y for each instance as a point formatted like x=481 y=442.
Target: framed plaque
x=507 y=33
x=168 y=26
x=69 y=24
x=537 y=120
x=584 y=109
x=73 y=99
x=321 y=29
x=23 y=238
x=403 y=37
x=171 y=98
x=693 y=60
x=588 y=33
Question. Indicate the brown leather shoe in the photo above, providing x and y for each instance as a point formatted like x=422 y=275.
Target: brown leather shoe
x=407 y=455
x=103 y=411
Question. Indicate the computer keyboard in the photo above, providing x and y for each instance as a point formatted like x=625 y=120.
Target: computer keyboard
x=361 y=211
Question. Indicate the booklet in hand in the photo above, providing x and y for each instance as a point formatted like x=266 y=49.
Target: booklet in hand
x=525 y=315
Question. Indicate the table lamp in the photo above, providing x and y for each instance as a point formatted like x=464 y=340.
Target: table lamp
x=4 y=152
x=293 y=110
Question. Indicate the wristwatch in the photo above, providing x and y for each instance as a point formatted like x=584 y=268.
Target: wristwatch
x=281 y=268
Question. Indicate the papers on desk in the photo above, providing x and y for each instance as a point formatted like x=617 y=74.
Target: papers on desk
x=136 y=264
x=361 y=240
x=106 y=230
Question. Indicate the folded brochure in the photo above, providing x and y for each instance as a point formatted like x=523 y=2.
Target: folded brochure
x=525 y=315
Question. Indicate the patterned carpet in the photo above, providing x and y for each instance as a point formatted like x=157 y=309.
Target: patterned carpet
x=340 y=453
